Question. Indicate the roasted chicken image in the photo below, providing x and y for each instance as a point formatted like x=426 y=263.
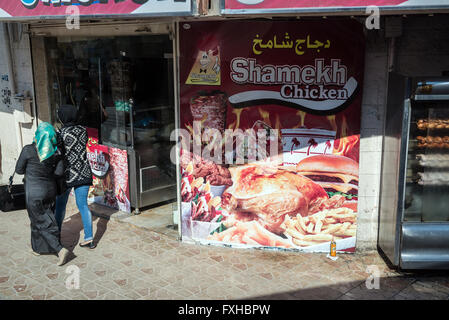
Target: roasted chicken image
x=424 y=124
x=270 y=193
x=433 y=142
x=214 y=173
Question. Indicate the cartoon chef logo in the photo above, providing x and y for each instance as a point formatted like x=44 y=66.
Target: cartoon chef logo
x=204 y=62
x=206 y=69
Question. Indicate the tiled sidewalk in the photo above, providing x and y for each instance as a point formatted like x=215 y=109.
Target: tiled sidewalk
x=134 y=263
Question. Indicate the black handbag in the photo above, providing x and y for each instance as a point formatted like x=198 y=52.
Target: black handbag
x=12 y=197
x=61 y=185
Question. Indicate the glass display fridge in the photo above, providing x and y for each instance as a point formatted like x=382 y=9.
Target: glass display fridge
x=414 y=199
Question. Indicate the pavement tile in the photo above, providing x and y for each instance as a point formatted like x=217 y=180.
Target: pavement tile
x=179 y=290
x=316 y=293
x=24 y=288
x=58 y=297
x=158 y=282
x=8 y=278
x=41 y=292
x=48 y=273
x=388 y=288
x=421 y=291
x=121 y=283
x=97 y=271
x=438 y=284
x=346 y=297
x=134 y=263
x=112 y=296
x=145 y=288
x=163 y=294
x=362 y=293
x=86 y=291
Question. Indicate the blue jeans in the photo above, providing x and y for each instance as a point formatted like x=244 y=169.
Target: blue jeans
x=81 y=202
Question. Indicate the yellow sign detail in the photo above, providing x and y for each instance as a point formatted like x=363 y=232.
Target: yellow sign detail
x=206 y=69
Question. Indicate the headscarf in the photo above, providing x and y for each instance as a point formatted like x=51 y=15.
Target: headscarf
x=45 y=140
x=68 y=114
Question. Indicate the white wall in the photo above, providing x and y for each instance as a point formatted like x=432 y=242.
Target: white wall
x=373 y=106
x=24 y=84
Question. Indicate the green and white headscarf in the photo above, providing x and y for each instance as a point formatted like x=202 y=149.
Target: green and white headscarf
x=45 y=140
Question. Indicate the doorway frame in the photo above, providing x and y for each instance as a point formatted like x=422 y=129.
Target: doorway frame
x=105 y=28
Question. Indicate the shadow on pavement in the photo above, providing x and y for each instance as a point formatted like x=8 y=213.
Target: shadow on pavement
x=416 y=285
x=72 y=227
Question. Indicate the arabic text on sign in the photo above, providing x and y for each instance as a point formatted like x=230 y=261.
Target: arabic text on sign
x=298 y=44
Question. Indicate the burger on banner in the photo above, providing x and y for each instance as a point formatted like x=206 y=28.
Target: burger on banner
x=336 y=174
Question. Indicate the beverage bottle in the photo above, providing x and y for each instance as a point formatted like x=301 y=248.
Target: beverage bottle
x=333 y=248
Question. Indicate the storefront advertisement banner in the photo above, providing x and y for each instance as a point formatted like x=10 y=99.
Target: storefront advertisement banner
x=110 y=175
x=249 y=6
x=49 y=8
x=272 y=113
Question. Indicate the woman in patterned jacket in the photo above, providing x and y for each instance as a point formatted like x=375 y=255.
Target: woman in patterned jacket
x=72 y=139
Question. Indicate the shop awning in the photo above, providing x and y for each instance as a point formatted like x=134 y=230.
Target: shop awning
x=341 y=7
x=47 y=9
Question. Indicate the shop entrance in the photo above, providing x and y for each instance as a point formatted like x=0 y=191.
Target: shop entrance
x=123 y=88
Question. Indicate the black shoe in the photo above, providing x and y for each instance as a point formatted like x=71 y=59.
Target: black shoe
x=90 y=245
x=63 y=255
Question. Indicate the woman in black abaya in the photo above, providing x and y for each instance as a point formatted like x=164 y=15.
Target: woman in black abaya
x=41 y=165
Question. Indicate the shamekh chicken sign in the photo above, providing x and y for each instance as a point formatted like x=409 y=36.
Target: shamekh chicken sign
x=329 y=6
x=296 y=84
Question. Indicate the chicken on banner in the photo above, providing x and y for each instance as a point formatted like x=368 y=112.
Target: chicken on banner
x=298 y=82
